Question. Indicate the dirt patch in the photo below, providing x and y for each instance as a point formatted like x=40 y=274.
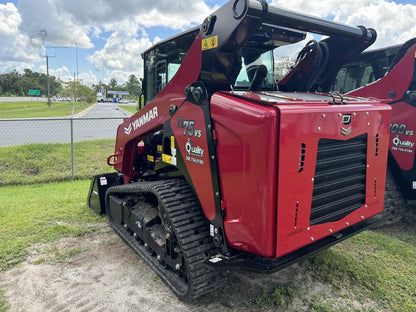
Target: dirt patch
x=99 y=272
x=32 y=170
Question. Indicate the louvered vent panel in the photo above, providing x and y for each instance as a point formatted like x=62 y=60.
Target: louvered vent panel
x=340 y=176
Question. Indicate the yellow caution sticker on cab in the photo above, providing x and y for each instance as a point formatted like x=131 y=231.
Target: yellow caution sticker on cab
x=209 y=43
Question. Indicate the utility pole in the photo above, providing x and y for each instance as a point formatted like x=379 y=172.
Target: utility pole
x=47 y=79
x=48 y=87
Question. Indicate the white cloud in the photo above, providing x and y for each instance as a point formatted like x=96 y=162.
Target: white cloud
x=9 y=19
x=121 y=56
x=63 y=72
x=123 y=24
x=17 y=51
x=66 y=23
x=393 y=22
x=61 y=26
x=177 y=14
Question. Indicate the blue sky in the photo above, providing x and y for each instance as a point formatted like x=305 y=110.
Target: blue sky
x=107 y=39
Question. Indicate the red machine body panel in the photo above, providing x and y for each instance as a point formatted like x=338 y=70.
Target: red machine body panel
x=402 y=135
x=262 y=184
x=302 y=127
x=247 y=141
x=393 y=81
x=152 y=117
x=390 y=89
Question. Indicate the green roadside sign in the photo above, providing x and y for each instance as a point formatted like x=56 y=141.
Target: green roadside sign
x=34 y=92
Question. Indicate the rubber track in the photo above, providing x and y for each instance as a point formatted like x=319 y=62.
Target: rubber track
x=184 y=215
x=394 y=204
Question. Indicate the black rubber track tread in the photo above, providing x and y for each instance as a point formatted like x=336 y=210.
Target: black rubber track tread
x=185 y=216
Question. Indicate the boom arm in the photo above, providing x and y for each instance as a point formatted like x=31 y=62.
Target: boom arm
x=223 y=37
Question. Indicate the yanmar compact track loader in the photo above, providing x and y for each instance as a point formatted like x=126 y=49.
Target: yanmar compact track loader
x=390 y=75
x=220 y=170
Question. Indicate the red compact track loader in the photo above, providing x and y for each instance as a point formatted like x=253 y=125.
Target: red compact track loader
x=389 y=74
x=220 y=170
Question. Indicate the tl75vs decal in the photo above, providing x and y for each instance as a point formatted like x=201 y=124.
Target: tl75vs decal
x=194 y=152
x=188 y=127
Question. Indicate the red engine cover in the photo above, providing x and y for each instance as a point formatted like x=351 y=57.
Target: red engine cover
x=267 y=185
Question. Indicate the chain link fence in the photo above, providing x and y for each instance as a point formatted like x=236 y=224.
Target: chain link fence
x=56 y=130
x=76 y=136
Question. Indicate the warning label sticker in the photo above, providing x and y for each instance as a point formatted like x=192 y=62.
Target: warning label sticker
x=209 y=43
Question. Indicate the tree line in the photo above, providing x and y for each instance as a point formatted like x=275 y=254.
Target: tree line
x=19 y=84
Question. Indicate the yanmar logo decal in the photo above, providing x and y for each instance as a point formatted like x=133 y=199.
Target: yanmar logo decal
x=141 y=121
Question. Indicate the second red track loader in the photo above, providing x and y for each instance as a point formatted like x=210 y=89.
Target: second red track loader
x=389 y=74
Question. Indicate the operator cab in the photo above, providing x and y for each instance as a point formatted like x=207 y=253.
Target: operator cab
x=258 y=50
x=364 y=69
x=162 y=61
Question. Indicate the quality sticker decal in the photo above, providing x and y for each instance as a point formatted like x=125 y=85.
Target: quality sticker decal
x=402 y=145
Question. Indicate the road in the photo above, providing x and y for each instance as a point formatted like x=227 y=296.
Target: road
x=97 y=122
x=22 y=99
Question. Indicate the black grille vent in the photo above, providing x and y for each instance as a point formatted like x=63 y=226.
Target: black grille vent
x=340 y=175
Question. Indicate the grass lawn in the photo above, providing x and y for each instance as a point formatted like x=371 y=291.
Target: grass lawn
x=131 y=109
x=374 y=271
x=39 y=109
x=378 y=266
x=41 y=213
x=34 y=163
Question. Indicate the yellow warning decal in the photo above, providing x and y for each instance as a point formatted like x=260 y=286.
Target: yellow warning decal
x=172 y=142
x=150 y=158
x=159 y=148
x=210 y=43
x=167 y=158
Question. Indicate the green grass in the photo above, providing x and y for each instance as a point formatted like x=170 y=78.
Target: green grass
x=41 y=213
x=52 y=255
x=3 y=302
x=131 y=109
x=376 y=265
x=39 y=109
x=34 y=163
x=280 y=297
x=374 y=271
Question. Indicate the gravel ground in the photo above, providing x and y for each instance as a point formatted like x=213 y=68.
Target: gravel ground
x=101 y=273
